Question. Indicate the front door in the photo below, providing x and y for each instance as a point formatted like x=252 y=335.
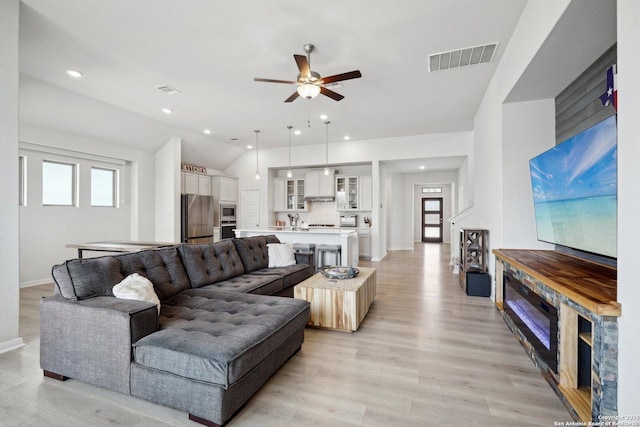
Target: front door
x=432 y=219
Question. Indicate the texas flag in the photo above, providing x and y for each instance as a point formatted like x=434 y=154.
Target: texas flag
x=611 y=95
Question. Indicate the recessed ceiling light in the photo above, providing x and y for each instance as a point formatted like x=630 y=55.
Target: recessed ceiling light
x=75 y=74
x=347 y=137
x=249 y=147
x=167 y=110
x=421 y=167
x=207 y=131
x=324 y=116
x=297 y=131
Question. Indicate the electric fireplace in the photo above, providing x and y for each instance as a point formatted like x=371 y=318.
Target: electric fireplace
x=535 y=318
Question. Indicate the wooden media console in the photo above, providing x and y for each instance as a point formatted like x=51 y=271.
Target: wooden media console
x=584 y=295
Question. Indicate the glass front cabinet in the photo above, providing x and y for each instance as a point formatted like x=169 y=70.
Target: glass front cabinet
x=347 y=193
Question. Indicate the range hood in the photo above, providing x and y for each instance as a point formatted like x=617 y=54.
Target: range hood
x=319 y=199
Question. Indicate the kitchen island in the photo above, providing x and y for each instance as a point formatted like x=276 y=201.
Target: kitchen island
x=346 y=238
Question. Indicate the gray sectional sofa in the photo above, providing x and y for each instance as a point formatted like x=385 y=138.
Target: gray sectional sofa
x=222 y=331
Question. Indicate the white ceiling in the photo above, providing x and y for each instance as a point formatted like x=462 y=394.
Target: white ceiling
x=211 y=50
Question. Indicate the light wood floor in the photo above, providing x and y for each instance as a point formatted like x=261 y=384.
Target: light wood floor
x=425 y=355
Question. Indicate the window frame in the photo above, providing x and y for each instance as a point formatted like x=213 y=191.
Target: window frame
x=74 y=183
x=22 y=180
x=431 y=190
x=115 y=186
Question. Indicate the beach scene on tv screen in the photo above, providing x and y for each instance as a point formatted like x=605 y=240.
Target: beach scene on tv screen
x=575 y=191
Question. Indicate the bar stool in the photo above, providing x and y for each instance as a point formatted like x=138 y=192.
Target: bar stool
x=307 y=252
x=323 y=249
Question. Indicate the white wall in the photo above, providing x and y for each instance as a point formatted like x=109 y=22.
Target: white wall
x=9 y=216
x=628 y=205
x=44 y=232
x=464 y=194
x=528 y=129
x=399 y=214
x=536 y=22
x=168 y=184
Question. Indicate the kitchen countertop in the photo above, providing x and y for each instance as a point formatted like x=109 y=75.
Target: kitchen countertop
x=318 y=229
x=347 y=238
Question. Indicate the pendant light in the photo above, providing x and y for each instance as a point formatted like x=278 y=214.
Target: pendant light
x=289 y=174
x=326 y=162
x=257 y=171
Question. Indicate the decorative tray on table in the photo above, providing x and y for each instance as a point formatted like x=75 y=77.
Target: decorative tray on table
x=337 y=272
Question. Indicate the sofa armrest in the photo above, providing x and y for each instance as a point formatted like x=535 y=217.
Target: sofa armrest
x=91 y=340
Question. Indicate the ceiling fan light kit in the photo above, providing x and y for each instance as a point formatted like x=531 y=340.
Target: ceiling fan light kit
x=308 y=90
x=310 y=83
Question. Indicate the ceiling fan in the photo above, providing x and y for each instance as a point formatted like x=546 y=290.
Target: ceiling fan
x=310 y=83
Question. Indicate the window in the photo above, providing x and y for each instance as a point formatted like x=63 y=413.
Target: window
x=58 y=184
x=426 y=190
x=22 y=181
x=104 y=184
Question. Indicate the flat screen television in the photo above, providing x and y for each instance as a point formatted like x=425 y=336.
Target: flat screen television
x=575 y=191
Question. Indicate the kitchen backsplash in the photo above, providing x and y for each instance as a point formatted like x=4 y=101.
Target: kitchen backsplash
x=323 y=213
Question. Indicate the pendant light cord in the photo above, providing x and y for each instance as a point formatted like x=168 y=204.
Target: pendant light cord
x=257 y=169
x=326 y=163
x=289 y=172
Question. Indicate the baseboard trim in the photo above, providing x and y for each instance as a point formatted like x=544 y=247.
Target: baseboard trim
x=11 y=345
x=34 y=283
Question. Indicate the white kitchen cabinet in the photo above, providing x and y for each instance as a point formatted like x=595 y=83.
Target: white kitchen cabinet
x=196 y=184
x=224 y=189
x=288 y=195
x=364 y=243
x=279 y=197
x=216 y=234
x=364 y=193
x=295 y=192
x=319 y=185
x=228 y=189
x=204 y=185
x=347 y=193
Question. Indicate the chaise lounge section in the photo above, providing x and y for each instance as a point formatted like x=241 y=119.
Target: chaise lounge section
x=221 y=331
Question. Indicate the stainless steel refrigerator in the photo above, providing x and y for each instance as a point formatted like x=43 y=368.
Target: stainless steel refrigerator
x=197 y=218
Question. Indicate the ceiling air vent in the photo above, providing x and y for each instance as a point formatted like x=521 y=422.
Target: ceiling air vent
x=334 y=85
x=168 y=89
x=462 y=57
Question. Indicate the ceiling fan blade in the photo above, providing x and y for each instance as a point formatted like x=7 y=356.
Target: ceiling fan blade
x=292 y=97
x=303 y=65
x=275 y=81
x=331 y=94
x=340 y=77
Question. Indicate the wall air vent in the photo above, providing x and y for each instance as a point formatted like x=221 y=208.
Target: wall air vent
x=168 y=89
x=462 y=57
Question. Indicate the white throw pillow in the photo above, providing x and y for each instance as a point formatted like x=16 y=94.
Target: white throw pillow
x=136 y=287
x=281 y=254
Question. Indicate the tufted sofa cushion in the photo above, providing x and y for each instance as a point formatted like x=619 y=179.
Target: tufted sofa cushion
x=267 y=284
x=90 y=277
x=217 y=336
x=211 y=262
x=291 y=274
x=253 y=252
x=163 y=267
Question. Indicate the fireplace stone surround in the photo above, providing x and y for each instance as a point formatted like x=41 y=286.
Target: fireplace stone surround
x=584 y=295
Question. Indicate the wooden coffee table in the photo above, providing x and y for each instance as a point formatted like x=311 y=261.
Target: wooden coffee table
x=338 y=304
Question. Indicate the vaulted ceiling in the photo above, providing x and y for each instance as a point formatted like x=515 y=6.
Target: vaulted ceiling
x=211 y=50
